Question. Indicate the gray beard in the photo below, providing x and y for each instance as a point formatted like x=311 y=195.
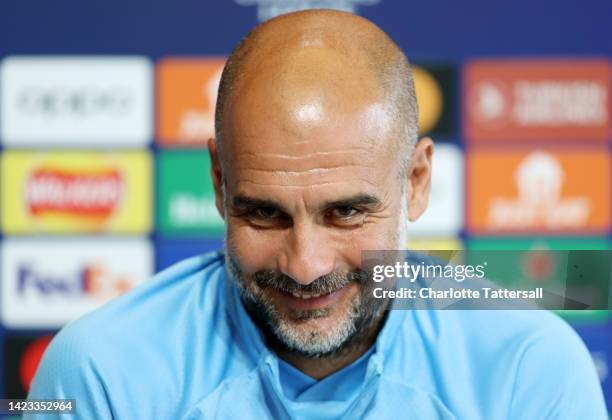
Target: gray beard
x=288 y=333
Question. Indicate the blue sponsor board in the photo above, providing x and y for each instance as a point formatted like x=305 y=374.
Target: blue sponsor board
x=170 y=251
x=597 y=340
x=200 y=28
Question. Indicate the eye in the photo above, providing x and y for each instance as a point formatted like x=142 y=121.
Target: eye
x=268 y=218
x=345 y=216
x=266 y=213
x=344 y=212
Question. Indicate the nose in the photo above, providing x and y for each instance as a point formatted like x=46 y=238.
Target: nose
x=308 y=254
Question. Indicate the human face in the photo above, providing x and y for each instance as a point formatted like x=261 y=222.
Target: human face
x=303 y=337
x=310 y=181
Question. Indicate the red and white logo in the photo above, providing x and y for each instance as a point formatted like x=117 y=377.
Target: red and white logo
x=518 y=100
x=95 y=194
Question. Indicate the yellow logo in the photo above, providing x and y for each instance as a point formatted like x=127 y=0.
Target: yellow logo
x=75 y=192
x=429 y=98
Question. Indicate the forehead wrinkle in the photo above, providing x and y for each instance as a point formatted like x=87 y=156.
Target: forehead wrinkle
x=310 y=176
x=299 y=155
x=318 y=162
x=308 y=185
x=308 y=170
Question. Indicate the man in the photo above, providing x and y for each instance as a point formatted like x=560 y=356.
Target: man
x=315 y=160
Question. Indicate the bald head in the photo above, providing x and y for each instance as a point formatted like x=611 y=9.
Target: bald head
x=342 y=59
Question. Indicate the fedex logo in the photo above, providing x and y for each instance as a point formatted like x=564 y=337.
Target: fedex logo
x=93 y=280
x=47 y=282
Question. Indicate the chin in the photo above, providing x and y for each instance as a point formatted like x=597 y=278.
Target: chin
x=315 y=334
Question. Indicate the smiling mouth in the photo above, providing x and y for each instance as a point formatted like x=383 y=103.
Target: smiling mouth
x=309 y=301
x=306 y=295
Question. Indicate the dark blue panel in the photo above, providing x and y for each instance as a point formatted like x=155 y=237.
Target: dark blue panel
x=597 y=339
x=433 y=29
x=170 y=251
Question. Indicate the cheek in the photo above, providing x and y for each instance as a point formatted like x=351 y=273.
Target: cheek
x=376 y=235
x=348 y=245
x=255 y=250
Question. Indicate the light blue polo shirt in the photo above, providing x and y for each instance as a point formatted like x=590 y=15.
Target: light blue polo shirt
x=181 y=346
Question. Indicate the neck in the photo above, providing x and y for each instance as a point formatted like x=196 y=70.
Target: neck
x=321 y=367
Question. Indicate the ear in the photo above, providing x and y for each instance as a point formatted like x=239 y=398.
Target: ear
x=419 y=178
x=216 y=175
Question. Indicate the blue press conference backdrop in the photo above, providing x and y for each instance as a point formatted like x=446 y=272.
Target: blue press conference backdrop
x=442 y=37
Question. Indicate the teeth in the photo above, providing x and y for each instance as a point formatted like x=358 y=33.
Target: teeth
x=305 y=295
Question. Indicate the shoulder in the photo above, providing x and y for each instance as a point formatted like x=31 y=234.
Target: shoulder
x=149 y=332
x=554 y=363
x=524 y=353
x=496 y=333
x=146 y=308
x=185 y=283
x=520 y=326
x=516 y=335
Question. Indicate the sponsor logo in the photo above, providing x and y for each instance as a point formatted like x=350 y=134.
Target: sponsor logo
x=539 y=179
x=186 y=204
x=30 y=359
x=92 y=280
x=574 y=276
x=538 y=266
x=429 y=97
x=442 y=248
x=21 y=359
x=187 y=94
x=435 y=244
x=489 y=105
x=188 y=209
x=267 y=9
x=444 y=214
x=76 y=101
x=48 y=282
x=526 y=100
x=435 y=87
x=76 y=192
x=539 y=191
x=541 y=266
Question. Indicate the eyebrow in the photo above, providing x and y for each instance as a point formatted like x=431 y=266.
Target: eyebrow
x=363 y=200
x=244 y=202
